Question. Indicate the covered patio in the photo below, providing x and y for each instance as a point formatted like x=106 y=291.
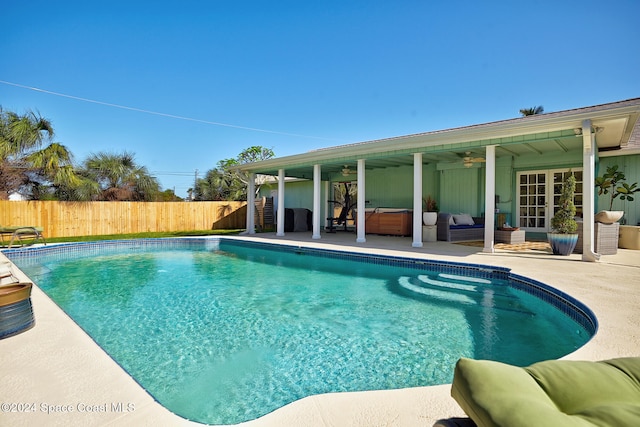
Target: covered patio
x=496 y=151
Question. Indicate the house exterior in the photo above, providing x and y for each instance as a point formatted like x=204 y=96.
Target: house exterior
x=511 y=166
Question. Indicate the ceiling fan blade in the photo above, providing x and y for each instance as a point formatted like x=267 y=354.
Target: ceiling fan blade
x=346 y=171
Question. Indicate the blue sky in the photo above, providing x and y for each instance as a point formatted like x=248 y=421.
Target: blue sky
x=299 y=75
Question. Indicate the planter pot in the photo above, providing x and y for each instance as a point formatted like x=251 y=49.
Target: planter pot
x=562 y=244
x=16 y=313
x=608 y=217
x=629 y=237
x=429 y=218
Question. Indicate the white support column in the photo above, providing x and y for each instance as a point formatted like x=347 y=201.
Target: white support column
x=360 y=228
x=326 y=203
x=280 y=219
x=317 y=178
x=588 y=192
x=251 y=204
x=417 y=200
x=489 y=199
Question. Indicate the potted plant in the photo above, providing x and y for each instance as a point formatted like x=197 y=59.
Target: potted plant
x=16 y=311
x=430 y=216
x=563 y=237
x=612 y=182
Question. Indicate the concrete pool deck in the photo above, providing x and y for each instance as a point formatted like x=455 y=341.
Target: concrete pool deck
x=55 y=374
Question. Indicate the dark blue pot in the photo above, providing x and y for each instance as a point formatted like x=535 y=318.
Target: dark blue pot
x=16 y=312
x=562 y=244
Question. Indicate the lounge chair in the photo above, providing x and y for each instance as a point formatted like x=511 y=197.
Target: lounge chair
x=22 y=234
x=455 y=422
x=549 y=393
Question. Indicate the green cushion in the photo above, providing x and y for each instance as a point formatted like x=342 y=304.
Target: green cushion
x=550 y=393
x=13 y=228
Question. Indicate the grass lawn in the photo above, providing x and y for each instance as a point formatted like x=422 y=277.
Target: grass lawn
x=130 y=236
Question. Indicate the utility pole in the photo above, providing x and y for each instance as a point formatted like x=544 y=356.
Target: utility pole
x=195 y=185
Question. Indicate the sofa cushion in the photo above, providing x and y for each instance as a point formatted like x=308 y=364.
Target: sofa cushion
x=550 y=393
x=462 y=227
x=463 y=219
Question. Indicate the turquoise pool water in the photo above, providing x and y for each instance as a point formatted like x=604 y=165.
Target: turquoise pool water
x=222 y=333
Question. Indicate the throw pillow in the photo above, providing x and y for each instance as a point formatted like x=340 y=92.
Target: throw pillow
x=463 y=219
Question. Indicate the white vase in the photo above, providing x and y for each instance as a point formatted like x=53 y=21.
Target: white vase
x=608 y=217
x=429 y=218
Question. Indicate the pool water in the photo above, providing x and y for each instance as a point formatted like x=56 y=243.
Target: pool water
x=226 y=335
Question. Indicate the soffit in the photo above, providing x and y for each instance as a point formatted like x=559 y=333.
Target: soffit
x=541 y=134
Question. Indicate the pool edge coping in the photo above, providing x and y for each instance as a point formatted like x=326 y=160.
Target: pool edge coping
x=450 y=413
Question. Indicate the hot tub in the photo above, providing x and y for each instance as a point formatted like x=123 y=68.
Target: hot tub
x=388 y=221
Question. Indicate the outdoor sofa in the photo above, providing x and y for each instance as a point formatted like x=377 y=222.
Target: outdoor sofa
x=459 y=227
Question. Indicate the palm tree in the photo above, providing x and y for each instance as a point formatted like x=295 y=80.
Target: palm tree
x=532 y=111
x=118 y=177
x=22 y=165
x=18 y=134
x=226 y=182
x=212 y=187
x=55 y=162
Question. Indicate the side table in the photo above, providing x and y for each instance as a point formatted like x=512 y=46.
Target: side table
x=429 y=233
x=509 y=236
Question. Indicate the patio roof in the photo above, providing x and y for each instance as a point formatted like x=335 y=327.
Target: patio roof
x=538 y=134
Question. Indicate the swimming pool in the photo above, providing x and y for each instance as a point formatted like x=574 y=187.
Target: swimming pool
x=280 y=323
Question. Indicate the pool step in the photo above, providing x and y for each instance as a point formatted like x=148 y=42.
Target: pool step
x=496 y=297
x=406 y=283
x=458 y=283
x=465 y=279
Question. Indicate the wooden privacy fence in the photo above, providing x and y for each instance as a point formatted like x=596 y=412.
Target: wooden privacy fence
x=64 y=219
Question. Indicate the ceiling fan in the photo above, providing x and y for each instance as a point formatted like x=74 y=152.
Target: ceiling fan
x=346 y=171
x=468 y=161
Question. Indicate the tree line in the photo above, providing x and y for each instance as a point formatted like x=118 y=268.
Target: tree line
x=33 y=165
